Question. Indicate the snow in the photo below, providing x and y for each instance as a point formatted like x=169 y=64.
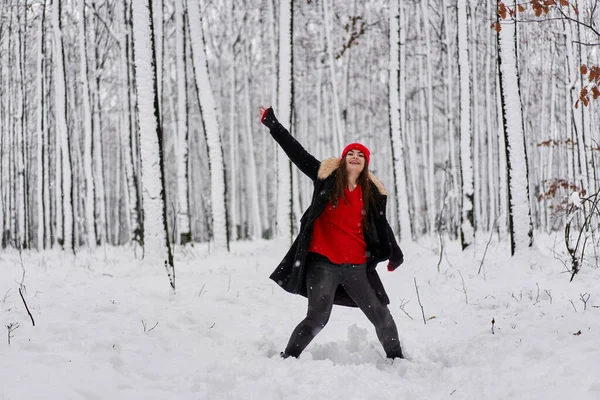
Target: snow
x=220 y=335
x=575 y=200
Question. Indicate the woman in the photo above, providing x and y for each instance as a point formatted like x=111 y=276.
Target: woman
x=343 y=235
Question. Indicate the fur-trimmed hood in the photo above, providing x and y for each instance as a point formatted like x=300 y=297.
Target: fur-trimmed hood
x=329 y=165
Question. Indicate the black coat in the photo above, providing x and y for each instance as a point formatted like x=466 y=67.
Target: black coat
x=379 y=238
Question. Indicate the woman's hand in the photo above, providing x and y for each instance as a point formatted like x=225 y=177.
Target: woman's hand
x=262 y=112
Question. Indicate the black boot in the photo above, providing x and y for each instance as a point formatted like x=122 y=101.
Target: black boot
x=395 y=353
x=285 y=355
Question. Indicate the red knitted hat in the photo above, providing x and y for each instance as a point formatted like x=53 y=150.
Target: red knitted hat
x=357 y=146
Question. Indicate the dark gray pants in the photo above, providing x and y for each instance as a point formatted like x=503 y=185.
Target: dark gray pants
x=322 y=280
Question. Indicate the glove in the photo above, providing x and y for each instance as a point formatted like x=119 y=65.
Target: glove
x=393 y=264
x=268 y=118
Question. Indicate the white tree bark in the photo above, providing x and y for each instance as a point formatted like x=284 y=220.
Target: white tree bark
x=520 y=224
x=39 y=187
x=453 y=202
x=398 y=96
x=60 y=98
x=182 y=146
x=430 y=165
x=90 y=234
x=211 y=128
x=467 y=231
x=336 y=112
x=100 y=213
x=154 y=231
x=284 y=114
x=20 y=139
x=254 y=216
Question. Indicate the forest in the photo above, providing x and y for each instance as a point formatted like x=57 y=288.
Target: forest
x=136 y=122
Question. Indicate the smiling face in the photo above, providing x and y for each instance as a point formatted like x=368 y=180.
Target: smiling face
x=355 y=162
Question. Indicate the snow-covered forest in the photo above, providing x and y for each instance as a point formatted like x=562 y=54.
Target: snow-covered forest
x=475 y=121
x=130 y=142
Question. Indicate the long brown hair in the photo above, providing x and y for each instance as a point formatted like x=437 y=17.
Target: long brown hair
x=341 y=181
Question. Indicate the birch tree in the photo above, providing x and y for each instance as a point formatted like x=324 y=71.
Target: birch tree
x=40 y=214
x=182 y=146
x=62 y=134
x=519 y=218
x=398 y=96
x=21 y=233
x=336 y=114
x=285 y=216
x=155 y=238
x=90 y=233
x=211 y=128
x=467 y=231
x=430 y=178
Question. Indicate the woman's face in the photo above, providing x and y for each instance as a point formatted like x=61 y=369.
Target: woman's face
x=355 y=161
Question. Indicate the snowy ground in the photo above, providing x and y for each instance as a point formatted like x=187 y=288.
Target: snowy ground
x=220 y=335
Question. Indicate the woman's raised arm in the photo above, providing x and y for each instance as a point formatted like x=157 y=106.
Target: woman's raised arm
x=307 y=163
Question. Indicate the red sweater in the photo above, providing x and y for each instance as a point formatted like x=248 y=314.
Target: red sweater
x=338 y=231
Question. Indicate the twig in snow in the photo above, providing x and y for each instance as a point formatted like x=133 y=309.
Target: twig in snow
x=573 y=304
x=201 y=292
x=439 y=222
x=584 y=299
x=549 y=293
x=11 y=328
x=6 y=295
x=537 y=299
x=27 y=308
x=419 y=299
x=488 y=245
x=464 y=289
x=22 y=283
x=519 y=299
x=493 y=323
x=402 y=304
x=145 y=326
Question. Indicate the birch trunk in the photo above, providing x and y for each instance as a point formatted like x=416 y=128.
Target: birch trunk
x=254 y=215
x=285 y=216
x=519 y=218
x=90 y=234
x=100 y=221
x=20 y=205
x=398 y=96
x=430 y=167
x=211 y=129
x=40 y=128
x=453 y=205
x=156 y=240
x=130 y=142
x=337 y=123
x=467 y=231
x=62 y=130
x=183 y=219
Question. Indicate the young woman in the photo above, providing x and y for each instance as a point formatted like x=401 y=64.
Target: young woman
x=343 y=235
